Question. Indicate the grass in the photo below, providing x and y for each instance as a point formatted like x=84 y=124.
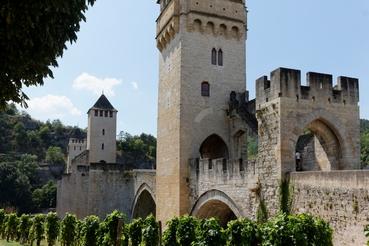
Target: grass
x=5 y=243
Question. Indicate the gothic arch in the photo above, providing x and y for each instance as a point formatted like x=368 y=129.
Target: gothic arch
x=215 y=203
x=214 y=147
x=144 y=202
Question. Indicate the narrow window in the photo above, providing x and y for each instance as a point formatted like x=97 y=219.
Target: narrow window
x=220 y=57
x=205 y=89
x=101 y=113
x=96 y=112
x=214 y=57
x=74 y=148
x=102 y=146
x=103 y=132
x=111 y=114
x=80 y=147
x=106 y=113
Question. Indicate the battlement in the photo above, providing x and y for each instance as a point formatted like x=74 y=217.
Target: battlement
x=319 y=87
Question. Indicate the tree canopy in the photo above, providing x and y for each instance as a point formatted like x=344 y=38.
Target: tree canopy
x=33 y=34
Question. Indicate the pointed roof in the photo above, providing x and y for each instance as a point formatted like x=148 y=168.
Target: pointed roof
x=103 y=103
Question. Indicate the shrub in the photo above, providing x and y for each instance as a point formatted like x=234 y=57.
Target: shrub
x=242 y=232
x=68 y=230
x=135 y=232
x=150 y=232
x=52 y=227
x=186 y=230
x=2 y=222
x=209 y=233
x=366 y=231
x=90 y=229
x=108 y=230
x=11 y=226
x=37 y=229
x=169 y=235
x=24 y=228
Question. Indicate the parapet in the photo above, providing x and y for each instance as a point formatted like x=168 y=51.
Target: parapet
x=286 y=82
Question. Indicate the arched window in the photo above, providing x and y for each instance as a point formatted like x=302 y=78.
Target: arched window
x=220 y=57
x=205 y=89
x=214 y=56
x=103 y=132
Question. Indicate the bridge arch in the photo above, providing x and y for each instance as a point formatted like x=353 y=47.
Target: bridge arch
x=144 y=202
x=217 y=204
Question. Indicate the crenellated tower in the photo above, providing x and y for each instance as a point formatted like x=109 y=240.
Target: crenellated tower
x=202 y=60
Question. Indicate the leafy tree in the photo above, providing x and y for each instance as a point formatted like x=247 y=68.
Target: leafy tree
x=2 y=222
x=37 y=230
x=68 y=230
x=33 y=34
x=52 y=228
x=24 y=228
x=11 y=227
x=169 y=235
x=150 y=232
x=45 y=197
x=90 y=230
x=135 y=232
x=186 y=230
x=108 y=228
x=55 y=156
x=209 y=233
x=242 y=232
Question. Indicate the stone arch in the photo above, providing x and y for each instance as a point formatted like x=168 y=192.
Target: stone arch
x=210 y=27
x=223 y=30
x=197 y=25
x=144 y=202
x=320 y=147
x=235 y=32
x=217 y=204
x=214 y=147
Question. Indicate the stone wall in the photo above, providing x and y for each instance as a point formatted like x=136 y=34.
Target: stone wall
x=340 y=197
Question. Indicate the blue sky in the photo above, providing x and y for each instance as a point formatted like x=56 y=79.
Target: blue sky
x=116 y=52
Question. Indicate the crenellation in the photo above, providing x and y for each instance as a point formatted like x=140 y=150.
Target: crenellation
x=286 y=82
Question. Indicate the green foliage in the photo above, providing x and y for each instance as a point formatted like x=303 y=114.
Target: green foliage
x=300 y=230
x=252 y=147
x=68 y=230
x=209 y=233
x=11 y=226
x=186 y=230
x=262 y=212
x=108 y=228
x=26 y=54
x=90 y=229
x=2 y=222
x=24 y=228
x=285 y=197
x=37 y=230
x=55 y=156
x=242 y=232
x=45 y=197
x=169 y=235
x=150 y=232
x=135 y=232
x=366 y=231
x=52 y=228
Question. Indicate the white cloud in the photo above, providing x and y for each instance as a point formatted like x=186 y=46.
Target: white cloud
x=96 y=85
x=134 y=85
x=52 y=107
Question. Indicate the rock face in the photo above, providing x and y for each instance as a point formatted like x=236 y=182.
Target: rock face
x=204 y=119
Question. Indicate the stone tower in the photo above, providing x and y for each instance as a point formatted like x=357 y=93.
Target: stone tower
x=75 y=147
x=202 y=60
x=102 y=132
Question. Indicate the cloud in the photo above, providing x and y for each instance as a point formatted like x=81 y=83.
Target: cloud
x=52 y=107
x=96 y=85
x=134 y=85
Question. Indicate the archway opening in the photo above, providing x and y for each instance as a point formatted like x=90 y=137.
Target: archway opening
x=216 y=209
x=318 y=148
x=214 y=148
x=145 y=205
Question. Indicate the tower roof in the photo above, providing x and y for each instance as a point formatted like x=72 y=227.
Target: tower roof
x=103 y=103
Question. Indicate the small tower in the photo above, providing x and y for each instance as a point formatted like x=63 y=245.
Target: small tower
x=102 y=131
x=75 y=147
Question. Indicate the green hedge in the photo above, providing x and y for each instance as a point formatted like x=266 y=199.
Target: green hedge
x=286 y=230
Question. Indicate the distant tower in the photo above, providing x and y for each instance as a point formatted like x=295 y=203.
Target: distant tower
x=202 y=60
x=102 y=131
x=75 y=147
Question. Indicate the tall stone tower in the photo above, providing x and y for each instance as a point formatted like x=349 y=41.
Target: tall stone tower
x=202 y=60
x=102 y=132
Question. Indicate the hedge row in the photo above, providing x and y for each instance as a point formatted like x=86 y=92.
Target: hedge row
x=286 y=230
